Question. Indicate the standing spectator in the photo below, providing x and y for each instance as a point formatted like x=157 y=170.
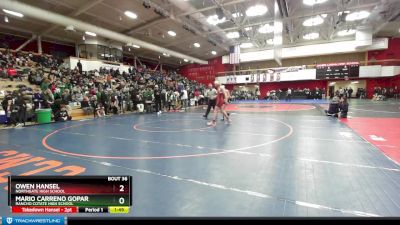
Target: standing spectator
x=6 y=104
x=343 y=107
x=37 y=99
x=184 y=99
x=350 y=91
x=164 y=98
x=258 y=93
x=289 y=95
x=341 y=92
x=48 y=99
x=104 y=99
x=79 y=64
x=19 y=107
x=157 y=99
x=171 y=100
x=196 y=96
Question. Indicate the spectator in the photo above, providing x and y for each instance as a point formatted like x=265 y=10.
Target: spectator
x=350 y=92
x=79 y=65
x=289 y=94
x=157 y=99
x=343 y=107
x=333 y=109
x=37 y=99
x=184 y=98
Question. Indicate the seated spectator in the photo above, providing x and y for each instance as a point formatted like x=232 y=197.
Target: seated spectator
x=98 y=107
x=333 y=109
x=62 y=115
x=12 y=73
x=85 y=105
x=3 y=73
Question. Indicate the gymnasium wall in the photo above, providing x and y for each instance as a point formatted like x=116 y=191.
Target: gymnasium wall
x=393 y=52
x=51 y=48
x=205 y=73
x=387 y=82
x=351 y=57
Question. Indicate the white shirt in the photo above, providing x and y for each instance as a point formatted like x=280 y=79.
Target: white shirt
x=185 y=95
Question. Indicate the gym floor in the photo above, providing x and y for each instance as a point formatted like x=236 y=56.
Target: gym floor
x=275 y=159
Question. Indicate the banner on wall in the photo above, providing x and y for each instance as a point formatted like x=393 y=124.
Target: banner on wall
x=287 y=69
x=231 y=79
x=264 y=75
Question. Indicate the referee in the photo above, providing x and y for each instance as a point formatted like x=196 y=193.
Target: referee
x=212 y=96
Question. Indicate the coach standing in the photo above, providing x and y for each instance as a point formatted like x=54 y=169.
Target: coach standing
x=212 y=96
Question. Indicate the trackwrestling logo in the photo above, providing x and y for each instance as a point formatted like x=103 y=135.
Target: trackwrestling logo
x=33 y=220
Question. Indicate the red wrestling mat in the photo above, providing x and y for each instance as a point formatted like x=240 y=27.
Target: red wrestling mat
x=384 y=133
x=267 y=107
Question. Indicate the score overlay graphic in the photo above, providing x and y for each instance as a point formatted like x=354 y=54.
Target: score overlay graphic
x=78 y=194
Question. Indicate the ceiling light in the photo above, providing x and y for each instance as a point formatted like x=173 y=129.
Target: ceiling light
x=165 y=54
x=13 y=13
x=311 y=36
x=257 y=10
x=246 y=45
x=346 y=32
x=171 y=33
x=213 y=52
x=314 y=21
x=313 y=2
x=270 y=41
x=136 y=46
x=248 y=28
x=197 y=45
x=130 y=14
x=83 y=38
x=213 y=20
x=234 y=34
x=357 y=16
x=91 y=33
x=266 y=29
x=185 y=60
x=6 y=19
x=236 y=15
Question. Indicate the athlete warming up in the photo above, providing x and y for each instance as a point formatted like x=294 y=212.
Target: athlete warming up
x=221 y=101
